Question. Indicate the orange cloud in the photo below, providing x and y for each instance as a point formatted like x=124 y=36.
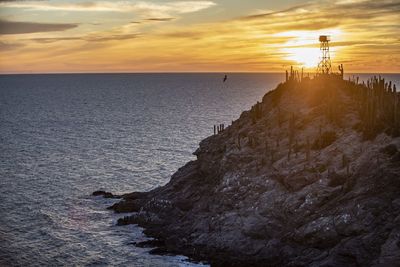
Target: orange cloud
x=270 y=41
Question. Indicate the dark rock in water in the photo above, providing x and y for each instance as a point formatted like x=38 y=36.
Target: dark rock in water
x=127 y=206
x=260 y=195
x=161 y=251
x=150 y=243
x=104 y=194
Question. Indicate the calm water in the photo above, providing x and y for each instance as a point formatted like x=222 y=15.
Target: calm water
x=64 y=136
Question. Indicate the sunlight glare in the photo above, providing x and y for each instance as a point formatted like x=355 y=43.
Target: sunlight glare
x=303 y=47
x=307 y=57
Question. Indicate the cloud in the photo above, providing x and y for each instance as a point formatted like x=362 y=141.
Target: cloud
x=360 y=29
x=347 y=2
x=173 y=7
x=115 y=37
x=47 y=40
x=276 y=13
x=88 y=38
x=141 y=7
x=18 y=27
x=159 y=19
x=5 y=46
x=184 y=34
x=2 y=1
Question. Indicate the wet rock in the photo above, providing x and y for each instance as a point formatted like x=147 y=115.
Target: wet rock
x=104 y=194
x=127 y=206
x=150 y=243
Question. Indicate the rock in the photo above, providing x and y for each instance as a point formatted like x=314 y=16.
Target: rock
x=296 y=182
x=150 y=243
x=336 y=179
x=127 y=206
x=389 y=150
x=104 y=194
x=255 y=228
x=259 y=195
x=390 y=250
x=396 y=158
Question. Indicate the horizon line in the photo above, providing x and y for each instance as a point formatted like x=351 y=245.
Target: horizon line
x=173 y=72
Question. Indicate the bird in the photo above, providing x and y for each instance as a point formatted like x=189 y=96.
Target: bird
x=225 y=78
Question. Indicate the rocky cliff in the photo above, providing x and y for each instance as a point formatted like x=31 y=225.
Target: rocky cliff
x=308 y=177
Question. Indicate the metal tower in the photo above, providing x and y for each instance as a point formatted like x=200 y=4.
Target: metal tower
x=324 y=66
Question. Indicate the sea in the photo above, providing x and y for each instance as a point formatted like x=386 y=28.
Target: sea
x=63 y=136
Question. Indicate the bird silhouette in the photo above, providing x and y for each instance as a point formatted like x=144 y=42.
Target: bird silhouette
x=225 y=78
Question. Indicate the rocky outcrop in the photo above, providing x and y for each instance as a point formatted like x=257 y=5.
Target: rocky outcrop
x=292 y=182
x=104 y=194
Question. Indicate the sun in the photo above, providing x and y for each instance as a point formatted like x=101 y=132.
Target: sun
x=302 y=48
x=307 y=57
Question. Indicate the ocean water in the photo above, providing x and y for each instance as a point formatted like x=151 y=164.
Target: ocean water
x=64 y=136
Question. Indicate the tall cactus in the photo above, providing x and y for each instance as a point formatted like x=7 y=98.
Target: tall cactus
x=341 y=70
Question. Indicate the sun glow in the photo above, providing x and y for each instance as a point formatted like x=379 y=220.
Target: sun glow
x=307 y=57
x=196 y=36
x=303 y=47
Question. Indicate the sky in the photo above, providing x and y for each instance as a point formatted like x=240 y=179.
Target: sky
x=197 y=36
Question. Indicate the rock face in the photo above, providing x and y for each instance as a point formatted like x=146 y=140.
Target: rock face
x=292 y=182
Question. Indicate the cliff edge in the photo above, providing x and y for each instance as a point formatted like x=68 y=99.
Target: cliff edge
x=310 y=176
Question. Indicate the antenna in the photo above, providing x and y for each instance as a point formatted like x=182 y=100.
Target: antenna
x=324 y=66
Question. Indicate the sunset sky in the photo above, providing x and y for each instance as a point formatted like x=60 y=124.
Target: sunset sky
x=207 y=36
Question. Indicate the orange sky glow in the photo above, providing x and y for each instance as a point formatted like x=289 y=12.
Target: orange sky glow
x=196 y=36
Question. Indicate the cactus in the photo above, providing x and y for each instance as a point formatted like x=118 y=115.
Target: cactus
x=344 y=161
x=291 y=129
x=395 y=109
x=280 y=119
x=256 y=112
x=341 y=70
x=272 y=156
x=377 y=104
x=291 y=72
